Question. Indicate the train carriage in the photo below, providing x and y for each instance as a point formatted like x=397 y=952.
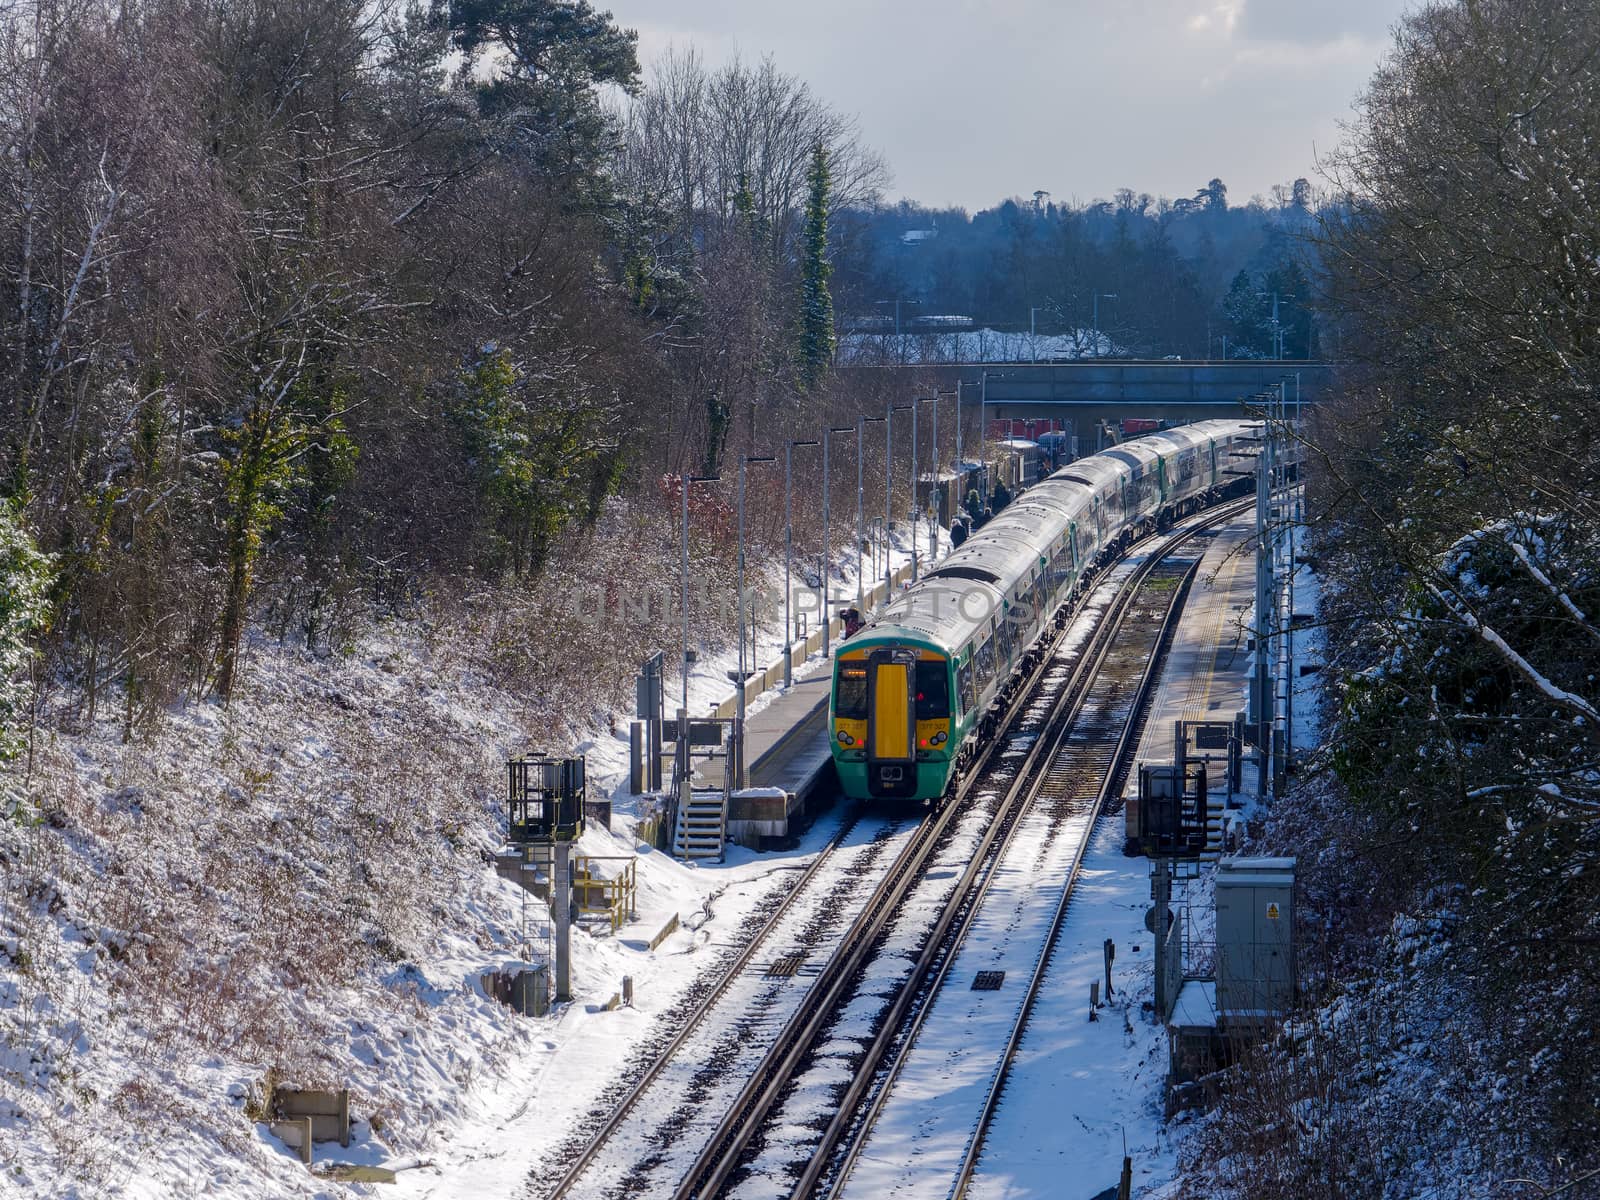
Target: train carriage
x=1145 y=483
x=920 y=688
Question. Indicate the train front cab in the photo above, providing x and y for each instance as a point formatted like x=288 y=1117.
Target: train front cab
x=892 y=727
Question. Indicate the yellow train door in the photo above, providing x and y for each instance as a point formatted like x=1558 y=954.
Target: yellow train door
x=891 y=737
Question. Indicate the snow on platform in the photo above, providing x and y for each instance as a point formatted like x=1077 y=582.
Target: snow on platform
x=783 y=738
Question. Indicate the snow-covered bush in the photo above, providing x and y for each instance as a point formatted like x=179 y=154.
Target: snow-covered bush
x=24 y=584
x=1475 y=742
x=291 y=887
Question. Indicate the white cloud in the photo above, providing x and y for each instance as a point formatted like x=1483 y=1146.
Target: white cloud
x=973 y=100
x=1310 y=22
x=1222 y=17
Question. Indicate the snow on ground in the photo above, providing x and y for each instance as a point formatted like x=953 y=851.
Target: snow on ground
x=512 y=1126
x=486 y=1153
x=297 y=888
x=1081 y=1090
x=292 y=884
x=804 y=1112
x=1082 y=1093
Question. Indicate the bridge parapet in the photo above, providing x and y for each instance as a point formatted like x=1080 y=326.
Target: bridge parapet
x=1100 y=381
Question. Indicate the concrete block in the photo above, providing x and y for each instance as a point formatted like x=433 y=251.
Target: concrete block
x=295 y=1133
x=327 y=1112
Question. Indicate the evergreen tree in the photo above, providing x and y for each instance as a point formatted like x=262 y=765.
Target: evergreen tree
x=552 y=59
x=816 y=304
x=1248 y=315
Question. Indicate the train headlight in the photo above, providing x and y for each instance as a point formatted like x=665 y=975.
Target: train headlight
x=940 y=738
x=845 y=739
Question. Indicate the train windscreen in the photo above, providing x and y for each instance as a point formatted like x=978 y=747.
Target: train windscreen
x=850 y=694
x=933 y=691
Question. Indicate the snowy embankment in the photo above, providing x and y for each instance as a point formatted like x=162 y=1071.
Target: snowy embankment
x=291 y=888
x=1393 y=1080
x=298 y=888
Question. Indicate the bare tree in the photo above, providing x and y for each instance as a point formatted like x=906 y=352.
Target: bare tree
x=695 y=137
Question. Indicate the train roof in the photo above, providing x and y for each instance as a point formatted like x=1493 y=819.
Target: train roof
x=1071 y=497
x=991 y=555
x=1094 y=472
x=963 y=593
x=944 y=611
x=1139 y=453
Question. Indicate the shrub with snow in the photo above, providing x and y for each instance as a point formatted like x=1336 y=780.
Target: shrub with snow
x=24 y=584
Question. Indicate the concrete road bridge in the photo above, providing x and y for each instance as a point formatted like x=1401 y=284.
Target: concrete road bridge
x=1084 y=393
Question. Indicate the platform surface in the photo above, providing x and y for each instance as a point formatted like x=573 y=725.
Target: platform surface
x=786 y=738
x=1207 y=673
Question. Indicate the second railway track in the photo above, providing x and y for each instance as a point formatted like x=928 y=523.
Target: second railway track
x=960 y=1039
x=692 y=1123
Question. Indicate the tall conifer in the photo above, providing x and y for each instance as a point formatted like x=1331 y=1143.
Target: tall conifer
x=816 y=304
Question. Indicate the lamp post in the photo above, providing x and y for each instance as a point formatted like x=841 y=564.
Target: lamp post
x=1099 y=296
x=888 y=485
x=1033 y=344
x=960 y=383
x=938 y=468
x=788 y=556
x=916 y=478
x=916 y=482
x=861 y=521
x=685 y=481
x=1277 y=327
x=744 y=666
x=1263 y=695
x=983 y=436
x=827 y=550
x=933 y=544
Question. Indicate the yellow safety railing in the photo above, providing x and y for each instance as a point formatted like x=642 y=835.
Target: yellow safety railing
x=612 y=896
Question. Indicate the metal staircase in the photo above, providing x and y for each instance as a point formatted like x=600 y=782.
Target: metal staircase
x=1218 y=843
x=702 y=825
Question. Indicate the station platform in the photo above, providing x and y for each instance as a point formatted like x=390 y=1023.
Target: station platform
x=790 y=766
x=1207 y=673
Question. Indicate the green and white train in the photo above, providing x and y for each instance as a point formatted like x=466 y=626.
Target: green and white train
x=921 y=687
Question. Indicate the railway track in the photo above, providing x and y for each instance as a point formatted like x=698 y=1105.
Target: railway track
x=642 y=1146
x=726 y=1026
x=1058 y=805
x=1048 y=766
x=644 y=1124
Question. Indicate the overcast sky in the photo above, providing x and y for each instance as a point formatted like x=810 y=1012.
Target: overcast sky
x=974 y=100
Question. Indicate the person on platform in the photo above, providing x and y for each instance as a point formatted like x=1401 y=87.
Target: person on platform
x=1001 y=497
x=852 y=622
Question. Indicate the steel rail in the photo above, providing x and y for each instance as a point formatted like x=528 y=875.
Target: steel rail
x=722 y=1155
x=941 y=947
x=927 y=836
x=1018 y=699
x=1115 y=775
x=702 y=1009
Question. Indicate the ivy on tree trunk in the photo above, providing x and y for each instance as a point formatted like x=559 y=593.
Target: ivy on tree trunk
x=816 y=303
